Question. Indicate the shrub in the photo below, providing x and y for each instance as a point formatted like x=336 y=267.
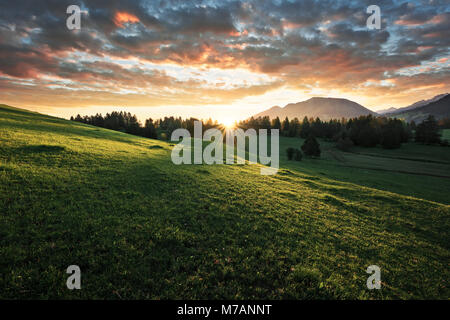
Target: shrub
x=428 y=131
x=344 y=144
x=290 y=153
x=298 y=155
x=311 y=147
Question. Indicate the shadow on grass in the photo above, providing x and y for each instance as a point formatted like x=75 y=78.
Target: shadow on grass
x=156 y=147
x=41 y=149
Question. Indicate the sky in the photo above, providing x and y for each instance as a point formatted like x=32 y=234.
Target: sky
x=225 y=59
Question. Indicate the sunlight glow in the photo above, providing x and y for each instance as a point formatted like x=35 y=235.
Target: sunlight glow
x=228 y=123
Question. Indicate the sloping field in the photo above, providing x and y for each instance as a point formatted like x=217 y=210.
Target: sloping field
x=140 y=227
x=416 y=170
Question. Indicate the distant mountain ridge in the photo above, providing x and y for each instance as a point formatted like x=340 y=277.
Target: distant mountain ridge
x=439 y=107
x=386 y=111
x=324 y=108
x=416 y=105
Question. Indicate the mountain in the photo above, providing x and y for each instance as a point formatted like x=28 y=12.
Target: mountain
x=418 y=104
x=272 y=112
x=386 y=111
x=324 y=108
x=439 y=107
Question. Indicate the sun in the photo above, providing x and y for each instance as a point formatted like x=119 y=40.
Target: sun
x=228 y=123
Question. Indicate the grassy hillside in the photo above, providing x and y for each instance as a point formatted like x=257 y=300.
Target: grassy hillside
x=140 y=227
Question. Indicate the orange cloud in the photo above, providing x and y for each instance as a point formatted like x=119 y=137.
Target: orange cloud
x=236 y=33
x=291 y=25
x=437 y=19
x=423 y=48
x=432 y=35
x=408 y=23
x=122 y=17
x=404 y=21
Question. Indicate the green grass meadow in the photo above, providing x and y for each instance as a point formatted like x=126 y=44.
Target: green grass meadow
x=446 y=134
x=141 y=227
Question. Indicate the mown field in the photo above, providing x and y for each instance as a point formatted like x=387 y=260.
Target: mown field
x=141 y=227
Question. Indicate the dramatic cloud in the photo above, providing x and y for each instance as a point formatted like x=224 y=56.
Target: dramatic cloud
x=124 y=17
x=174 y=52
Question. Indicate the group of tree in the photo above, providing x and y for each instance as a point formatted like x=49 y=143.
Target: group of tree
x=428 y=132
x=125 y=122
x=170 y=124
x=295 y=127
x=365 y=131
x=370 y=131
x=120 y=121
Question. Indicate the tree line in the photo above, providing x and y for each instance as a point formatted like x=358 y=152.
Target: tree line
x=365 y=131
x=120 y=121
x=154 y=129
